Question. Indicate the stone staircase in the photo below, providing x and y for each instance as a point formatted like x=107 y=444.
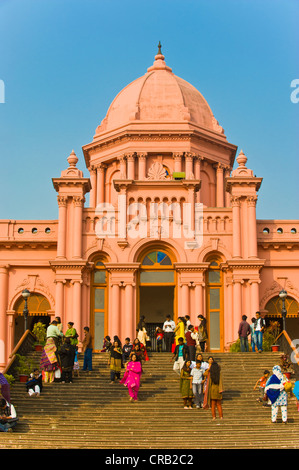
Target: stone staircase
x=91 y=413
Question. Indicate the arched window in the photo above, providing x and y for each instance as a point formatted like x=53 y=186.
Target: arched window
x=274 y=307
x=157 y=268
x=157 y=259
x=37 y=304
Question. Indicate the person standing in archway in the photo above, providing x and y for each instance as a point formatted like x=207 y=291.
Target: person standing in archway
x=168 y=328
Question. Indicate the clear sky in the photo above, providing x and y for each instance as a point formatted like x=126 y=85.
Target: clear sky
x=63 y=61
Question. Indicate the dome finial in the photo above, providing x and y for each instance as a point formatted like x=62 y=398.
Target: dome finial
x=159 y=48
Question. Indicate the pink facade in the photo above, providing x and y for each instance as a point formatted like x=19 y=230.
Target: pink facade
x=161 y=183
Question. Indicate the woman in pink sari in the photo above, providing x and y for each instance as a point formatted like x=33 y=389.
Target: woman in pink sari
x=132 y=376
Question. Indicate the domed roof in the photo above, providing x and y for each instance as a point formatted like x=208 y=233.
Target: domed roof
x=159 y=96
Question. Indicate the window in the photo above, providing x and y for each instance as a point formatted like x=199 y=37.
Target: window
x=158 y=258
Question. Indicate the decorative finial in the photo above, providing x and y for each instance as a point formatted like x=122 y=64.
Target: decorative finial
x=159 y=48
x=72 y=159
x=241 y=159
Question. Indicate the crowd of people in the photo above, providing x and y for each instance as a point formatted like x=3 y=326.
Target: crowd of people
x=200 y=381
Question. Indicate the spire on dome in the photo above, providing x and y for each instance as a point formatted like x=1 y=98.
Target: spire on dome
x=159 y=63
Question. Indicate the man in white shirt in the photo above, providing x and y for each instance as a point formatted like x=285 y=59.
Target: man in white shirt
x=259 y=330
x=168 y=328
x=197 y=374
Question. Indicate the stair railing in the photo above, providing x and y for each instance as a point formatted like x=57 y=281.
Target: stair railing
x=288 y=347
x=23 y=347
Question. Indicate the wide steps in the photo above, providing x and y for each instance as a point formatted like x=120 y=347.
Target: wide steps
x=92 y=413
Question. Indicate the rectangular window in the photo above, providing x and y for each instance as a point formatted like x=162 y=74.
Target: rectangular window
x=99 y=316
x=214 y=298
x=157 y=277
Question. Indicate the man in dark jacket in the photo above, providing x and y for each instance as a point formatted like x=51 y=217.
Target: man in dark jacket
x=67 y=357
x=244 y=332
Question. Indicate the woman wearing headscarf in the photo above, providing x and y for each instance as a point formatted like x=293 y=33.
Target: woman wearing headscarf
x=277 y=395
x=115 y=361
x=141 y=330
x=132 y=376
x=49 y=361
x=186 y=385
x=215 y=390
x=142 y=348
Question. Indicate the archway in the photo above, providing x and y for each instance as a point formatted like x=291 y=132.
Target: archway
x=38 y=307
x=157 y=289
x=273 y=313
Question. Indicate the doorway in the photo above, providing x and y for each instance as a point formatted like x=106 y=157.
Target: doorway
x=155 y=303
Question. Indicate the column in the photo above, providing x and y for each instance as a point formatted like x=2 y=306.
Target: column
x=236 y=205
x=197 y=168
x=131 y=166
x=177 y=162
x=184 y=300
x=189 y=166
x=93 y=191
x=252 y=234
x=128 y=327
x=227 y=194
x=122 y=167
x=141 y=166
x=61 y=239
x=229 y=333
x=114 y=320
x=100 y=184
x=198 y=300
x=77 y=227
x=254 y=296
x=77 y=305
x=219 y=186
x=59 y=299
x=3 y=308
x=237 y=304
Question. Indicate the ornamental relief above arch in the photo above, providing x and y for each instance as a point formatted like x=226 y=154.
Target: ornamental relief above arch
x=34 y=284
x=274 y=290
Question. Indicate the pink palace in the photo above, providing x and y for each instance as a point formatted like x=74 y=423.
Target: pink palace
x=171 y=228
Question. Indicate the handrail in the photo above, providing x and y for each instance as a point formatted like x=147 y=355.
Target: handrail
x=24 y=345
x=291 y=344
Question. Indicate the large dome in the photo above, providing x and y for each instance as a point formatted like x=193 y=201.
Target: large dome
x=159 y=96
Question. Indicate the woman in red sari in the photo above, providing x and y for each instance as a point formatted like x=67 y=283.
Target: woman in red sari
x=132 y=376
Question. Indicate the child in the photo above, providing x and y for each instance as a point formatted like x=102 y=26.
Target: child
x=197 y=374
x=159 y=337
x=262 y=383
x=76 y=365
x=127 y=349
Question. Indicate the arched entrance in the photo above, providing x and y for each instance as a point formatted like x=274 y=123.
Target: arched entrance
x=157 y=289
x=38 y=307
x=273 y=313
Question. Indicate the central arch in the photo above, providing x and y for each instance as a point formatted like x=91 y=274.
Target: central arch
x=156 y=293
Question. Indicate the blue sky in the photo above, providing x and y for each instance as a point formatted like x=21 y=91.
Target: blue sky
x=63 y=62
